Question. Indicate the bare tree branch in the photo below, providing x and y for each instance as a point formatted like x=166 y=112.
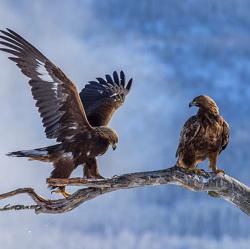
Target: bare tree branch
x=222 y=186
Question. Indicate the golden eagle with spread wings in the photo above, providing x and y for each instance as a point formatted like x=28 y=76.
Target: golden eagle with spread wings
x=78 y=122
x=203 y=136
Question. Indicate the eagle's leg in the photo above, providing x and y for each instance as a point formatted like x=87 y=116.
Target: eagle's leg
x=190 y=168
x=86 y=172
x=91 y=169
x=61 y=190
x=188 y=161
x=63 y=168
x=213 y=163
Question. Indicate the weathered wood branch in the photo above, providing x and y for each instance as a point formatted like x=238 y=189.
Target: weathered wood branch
x=222 y=186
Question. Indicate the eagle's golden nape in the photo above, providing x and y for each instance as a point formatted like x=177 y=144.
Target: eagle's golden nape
x=78 y=121
x=203 y=136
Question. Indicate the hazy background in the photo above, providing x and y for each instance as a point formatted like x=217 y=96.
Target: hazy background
x=174 y=50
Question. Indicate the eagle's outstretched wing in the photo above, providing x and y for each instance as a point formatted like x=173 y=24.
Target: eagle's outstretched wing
x=56 y=96
x=103 y=97
x=189 y=132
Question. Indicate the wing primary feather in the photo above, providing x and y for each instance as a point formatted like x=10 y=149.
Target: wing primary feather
x=7 y=44
x=109 y=79
x=14 y=52
x=116 y=77
x=20 y=39
x=129 y=84
x=123 y=78
x=11 y=41
x=101 y=81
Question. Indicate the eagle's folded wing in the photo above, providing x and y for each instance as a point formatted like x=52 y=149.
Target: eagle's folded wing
x=225 y=135
x=56 y=96
x=189 y=132
x=103 y=97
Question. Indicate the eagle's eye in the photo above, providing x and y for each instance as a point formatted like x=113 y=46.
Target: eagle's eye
x=193 y=103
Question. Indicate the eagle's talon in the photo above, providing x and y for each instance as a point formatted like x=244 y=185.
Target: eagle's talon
x=195 y=171
x=99 y=177
x=61 y=191
x=198 y=171
x=218 y=171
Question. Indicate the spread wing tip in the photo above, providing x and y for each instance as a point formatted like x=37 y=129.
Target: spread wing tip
x=8 y=32
x=101 y=98
x=4 y=30
x=117 y=79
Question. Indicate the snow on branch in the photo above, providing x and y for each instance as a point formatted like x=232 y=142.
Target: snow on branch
x=222 y=186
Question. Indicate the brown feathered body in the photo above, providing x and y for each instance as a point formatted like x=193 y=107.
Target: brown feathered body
x=81 y=150
x=78 y=122
x=203 y=136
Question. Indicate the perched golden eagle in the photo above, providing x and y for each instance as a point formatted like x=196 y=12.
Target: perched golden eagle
x=203 y=136
x=78 y=122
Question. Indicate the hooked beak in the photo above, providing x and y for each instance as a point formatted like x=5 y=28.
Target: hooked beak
x=114 y=146
x=192 y=103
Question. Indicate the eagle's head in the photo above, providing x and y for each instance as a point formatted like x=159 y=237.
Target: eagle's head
x=108 y=134
x=205 y=103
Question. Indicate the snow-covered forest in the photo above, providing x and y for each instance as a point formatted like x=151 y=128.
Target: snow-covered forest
x=174 y=51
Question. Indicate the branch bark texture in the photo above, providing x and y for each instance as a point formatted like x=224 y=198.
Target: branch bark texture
x=222 y=186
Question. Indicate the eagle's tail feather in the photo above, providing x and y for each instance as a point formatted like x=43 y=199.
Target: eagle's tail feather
x=40 y=154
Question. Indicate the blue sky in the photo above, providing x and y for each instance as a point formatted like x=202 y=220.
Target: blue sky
x=173 y=51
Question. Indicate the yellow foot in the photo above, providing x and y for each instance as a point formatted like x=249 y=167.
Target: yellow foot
x=61 y=191
x=218 y=171
x=195 y=171
x=98 y=176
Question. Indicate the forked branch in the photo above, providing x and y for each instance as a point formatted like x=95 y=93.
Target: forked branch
x=222 y=186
